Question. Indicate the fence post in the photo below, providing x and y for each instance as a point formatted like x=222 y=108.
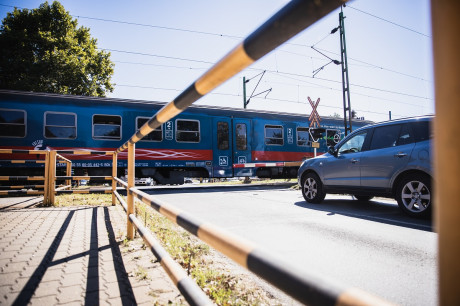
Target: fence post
x=131 y=171
x=46 y=195
x=114 y=175
x=68 y=172
x=446 y=43
x=52 y=177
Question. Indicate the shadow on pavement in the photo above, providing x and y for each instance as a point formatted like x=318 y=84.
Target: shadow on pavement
x=22 y=203
x=374 y=210
x=208 y=189
x=93 y=274
x=29 y=289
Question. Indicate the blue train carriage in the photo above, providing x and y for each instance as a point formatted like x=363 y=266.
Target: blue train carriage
x=200 y=142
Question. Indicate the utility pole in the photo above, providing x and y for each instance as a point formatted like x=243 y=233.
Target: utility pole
x=345 y=83
x=244 y=92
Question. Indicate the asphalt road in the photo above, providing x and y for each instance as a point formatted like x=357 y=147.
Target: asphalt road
x=372 y=246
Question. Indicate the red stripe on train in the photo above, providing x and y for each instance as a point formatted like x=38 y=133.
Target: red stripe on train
x=279 y=155
x=141 y=154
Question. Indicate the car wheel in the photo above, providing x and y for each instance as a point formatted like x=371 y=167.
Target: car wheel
x=414 y=195
x=312 y=189
x=363 y=198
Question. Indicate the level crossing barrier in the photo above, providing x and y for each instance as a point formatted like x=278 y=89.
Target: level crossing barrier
x=52 y=157
x=56 y=155
x=289 y=21
x=37 y=189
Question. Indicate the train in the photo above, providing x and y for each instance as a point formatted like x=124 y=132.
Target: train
x=201 y=142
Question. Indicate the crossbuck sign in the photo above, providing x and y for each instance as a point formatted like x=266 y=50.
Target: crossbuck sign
x=314 y=116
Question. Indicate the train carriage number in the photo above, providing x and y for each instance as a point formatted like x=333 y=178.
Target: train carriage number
x=169 y=130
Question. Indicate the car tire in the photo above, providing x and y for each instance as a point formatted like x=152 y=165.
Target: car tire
x=414 y=195
x=312 y=188
x=363 y=198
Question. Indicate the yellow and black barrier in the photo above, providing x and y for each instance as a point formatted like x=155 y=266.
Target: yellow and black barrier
x=14 y=151
x=62 y=158
x=289 y=21
x=84 y=191
x=23 y=187
x=23 y=161
x=21 y=192
x=306 y=288
x=79 y=178
x=120 y=199
x=22 y=178
x=121 y=182
x=189 y=289
x=84 y=152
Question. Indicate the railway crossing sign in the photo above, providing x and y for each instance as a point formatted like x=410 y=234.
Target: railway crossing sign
x=314 y=116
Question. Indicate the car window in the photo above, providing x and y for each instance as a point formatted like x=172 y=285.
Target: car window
x=385 y=136
x=422 y=130
x=353 y=144
x=405 y=136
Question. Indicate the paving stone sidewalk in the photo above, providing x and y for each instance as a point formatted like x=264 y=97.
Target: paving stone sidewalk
x=75 y=256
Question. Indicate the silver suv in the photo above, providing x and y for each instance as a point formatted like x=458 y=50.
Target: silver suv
x=389 y=159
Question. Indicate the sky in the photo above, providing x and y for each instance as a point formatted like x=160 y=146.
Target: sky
x=161 y=47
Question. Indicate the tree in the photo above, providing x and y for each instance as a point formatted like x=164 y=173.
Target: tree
x=42 y=50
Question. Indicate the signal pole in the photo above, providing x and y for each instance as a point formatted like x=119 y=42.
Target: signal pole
x=244 y=92
x=345 y=83
x=246 y=102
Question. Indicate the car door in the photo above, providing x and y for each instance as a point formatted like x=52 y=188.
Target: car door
x=343 y=169
x=389 y=152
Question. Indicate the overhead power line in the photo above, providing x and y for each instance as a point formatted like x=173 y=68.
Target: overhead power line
x=380 y=67
x=388 y=21
x=157 y=55
x=271 y=71
x=271 y=99
x=235 y=37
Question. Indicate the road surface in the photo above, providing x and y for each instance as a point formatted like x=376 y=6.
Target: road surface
x=372 y=246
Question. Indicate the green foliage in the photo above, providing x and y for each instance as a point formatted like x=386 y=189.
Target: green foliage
x=43 y=50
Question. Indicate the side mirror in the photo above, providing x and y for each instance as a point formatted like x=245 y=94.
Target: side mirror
x=332 y=150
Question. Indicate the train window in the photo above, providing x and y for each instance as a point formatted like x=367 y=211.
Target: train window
x=106 y=127
x=155 y=135
x=222 y=136
x=241 y=137
x=60 y=125
x=12 y=123
x=187 y=130
x=303 y=136
x=274 y=135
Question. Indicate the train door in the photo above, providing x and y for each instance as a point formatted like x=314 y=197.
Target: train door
x=242 y=141
x=222 y=147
